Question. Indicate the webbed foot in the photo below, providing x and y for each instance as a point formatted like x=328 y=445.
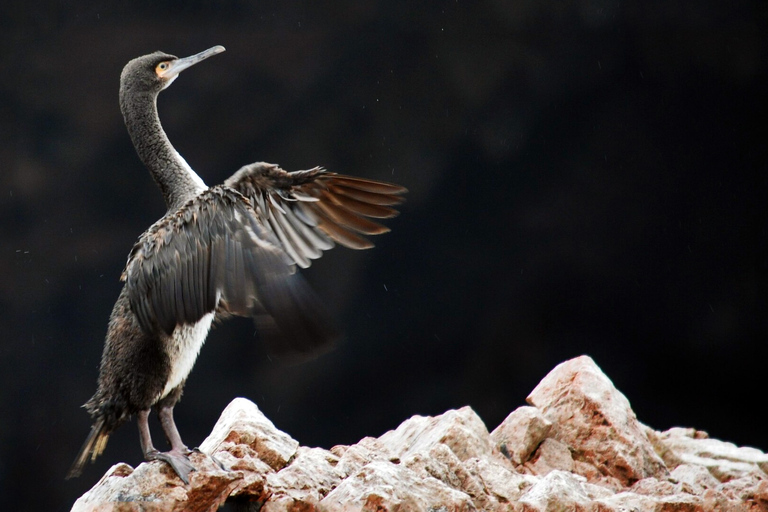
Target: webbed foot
x=177 y=460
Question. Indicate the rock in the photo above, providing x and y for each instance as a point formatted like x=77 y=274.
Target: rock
x=560 y=490
x=503 y=485
x=521 y=433
x=630 y=501
x=154 y=486
x=577 y=447
x=352 y=458
x=752 y=488
x=460 y=430
x=697 y=478
x=595 y=421
x=306 y=481
x=242 y=423
x=384 y=486
x=725 y=461
x=654 y=487
x=441 y=463
x=551 y=455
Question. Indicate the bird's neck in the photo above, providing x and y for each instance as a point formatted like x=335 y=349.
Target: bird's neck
x=176 y=179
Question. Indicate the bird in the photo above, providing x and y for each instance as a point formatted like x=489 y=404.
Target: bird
x=229 y=249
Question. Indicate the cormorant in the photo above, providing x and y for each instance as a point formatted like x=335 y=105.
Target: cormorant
x=225 y=250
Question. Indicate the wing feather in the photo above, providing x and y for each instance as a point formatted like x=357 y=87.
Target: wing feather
x=277 y=228
x=317 y=241
x=341 y=235
x=297 y=238
x=365 y=196
x=216 y=252
x=348 y=219
x=234 y=247
x=374 y=187
x=361 y=208
x=309 y=210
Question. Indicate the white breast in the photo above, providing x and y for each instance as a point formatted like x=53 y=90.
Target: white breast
x=183 y=348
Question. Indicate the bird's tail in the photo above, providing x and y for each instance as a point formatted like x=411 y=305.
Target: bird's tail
x=92 y=447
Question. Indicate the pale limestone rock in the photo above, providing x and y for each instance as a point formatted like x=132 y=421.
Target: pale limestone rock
x=461 y=430
x=587 y=450
x=596 y=422
x=551 y=455
x=654 y=487
x=503 y=485
x=630 y=501
x=725 y=461
x=306 y=481
x=697 y=478
x=386 y=487
x=441 y=463
x=154 y=486
x=750 y=488
x=242 y=423
x=558 y=490
x=486 y=481
x=520 y=433
x=353 y=458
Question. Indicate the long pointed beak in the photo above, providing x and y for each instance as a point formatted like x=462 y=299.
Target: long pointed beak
x=179 y=65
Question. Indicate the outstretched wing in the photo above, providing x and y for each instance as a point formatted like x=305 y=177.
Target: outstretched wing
x=307 y=211
x=215 y=252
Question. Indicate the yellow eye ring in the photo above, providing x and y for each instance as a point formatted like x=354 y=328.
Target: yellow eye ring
x=162 y=68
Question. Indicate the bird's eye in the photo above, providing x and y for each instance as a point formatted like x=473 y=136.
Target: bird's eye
x=162 y=68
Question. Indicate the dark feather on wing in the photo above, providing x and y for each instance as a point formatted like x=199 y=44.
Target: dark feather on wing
x=215 y=251
x=309 y=210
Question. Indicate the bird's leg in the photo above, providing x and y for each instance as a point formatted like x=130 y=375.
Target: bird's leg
x=144 y=435
x=177 y=456
x=165 y=413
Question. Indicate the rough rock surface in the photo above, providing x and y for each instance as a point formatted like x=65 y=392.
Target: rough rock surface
x=578 y=446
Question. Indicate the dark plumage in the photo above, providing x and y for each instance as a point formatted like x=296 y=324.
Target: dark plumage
x=226 y=250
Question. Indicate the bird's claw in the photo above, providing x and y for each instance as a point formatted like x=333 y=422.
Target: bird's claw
x=177 y=460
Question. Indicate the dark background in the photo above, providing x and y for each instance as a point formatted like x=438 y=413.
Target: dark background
x=585 y=177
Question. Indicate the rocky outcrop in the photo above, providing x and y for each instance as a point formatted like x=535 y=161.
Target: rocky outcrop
x=578 y=446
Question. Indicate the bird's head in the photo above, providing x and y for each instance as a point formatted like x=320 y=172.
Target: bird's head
x=154 y=72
